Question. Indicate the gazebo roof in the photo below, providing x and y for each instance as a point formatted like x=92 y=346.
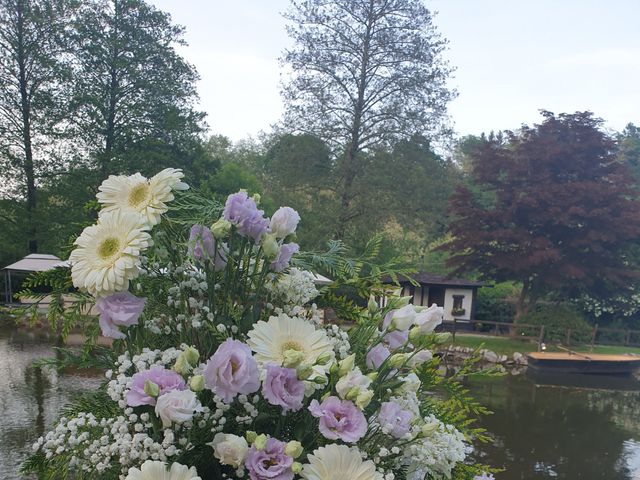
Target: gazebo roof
x=426 y=278
x=35 y=262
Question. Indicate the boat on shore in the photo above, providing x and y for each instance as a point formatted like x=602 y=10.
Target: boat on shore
x=591 y=363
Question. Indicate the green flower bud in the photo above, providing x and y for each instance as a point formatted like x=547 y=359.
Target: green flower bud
x=363 y=399
x=151 y=389
x=442 y=337
x=324 y=358
x=333 y=371
x=293 y=449
x=325 y=396
x=192 y=355
x=397 y=360
x=372 y=305
x=321 y=380
x=304 y=371
x=346 y=365
x=196 y=383
x=221 y=228
x=296 y=467
x=260 y=442
x=403 y=301
x=251 y=436
x=182 y=365
x=373 y=376
x=352 y=394
x=428 y=428
x=270 y=245
x=292 y=358
x=415 y=335
x=256 y=198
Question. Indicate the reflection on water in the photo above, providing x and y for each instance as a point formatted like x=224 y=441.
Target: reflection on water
x=586 y=431
x=542 y=430
x=30 y=397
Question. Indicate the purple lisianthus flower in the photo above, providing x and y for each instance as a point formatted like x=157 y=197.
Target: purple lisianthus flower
x=397 y=338
x=166 y=380
x=232 y=370
x=281 y=387
x=339 y=419
x=376 y=356
x=202 y=247
x=394 y=420
x=121 y=309
x=271 y=463
x=242 y=211
x=284 y=256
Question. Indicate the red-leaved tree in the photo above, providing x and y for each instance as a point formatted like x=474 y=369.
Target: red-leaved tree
x=549 y=207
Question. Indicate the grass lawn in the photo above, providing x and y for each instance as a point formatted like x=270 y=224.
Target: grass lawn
x=507 y=346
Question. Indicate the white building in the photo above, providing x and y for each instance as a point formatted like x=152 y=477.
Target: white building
x=456 y=295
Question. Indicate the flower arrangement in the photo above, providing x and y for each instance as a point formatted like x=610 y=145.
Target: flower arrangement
x=222 y=366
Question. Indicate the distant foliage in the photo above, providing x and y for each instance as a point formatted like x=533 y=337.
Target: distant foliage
x=496 y=303
x=557 y=319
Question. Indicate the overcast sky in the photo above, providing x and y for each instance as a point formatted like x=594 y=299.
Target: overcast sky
x=512 y=58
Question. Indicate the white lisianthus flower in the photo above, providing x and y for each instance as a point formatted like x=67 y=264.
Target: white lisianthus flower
x=271 y=340
x=177 y=406
x=419 y=358
x=107 y=254
x=135 y=193
x=403 y=318
x=353 y=379
x=339 y=462
x=284 y=222
x=154 y=470
x=410 y=383
x=427 y=320
x=229 y=449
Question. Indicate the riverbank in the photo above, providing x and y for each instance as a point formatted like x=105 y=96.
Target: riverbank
x=509 y=346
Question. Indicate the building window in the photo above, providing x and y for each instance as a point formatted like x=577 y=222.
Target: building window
x=457 y=309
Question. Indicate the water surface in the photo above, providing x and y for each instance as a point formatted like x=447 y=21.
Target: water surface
x=587 y=431
x=543 y=429
x=30 y=397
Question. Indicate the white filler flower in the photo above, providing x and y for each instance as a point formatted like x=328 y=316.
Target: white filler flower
x=153 y=470
x=137 y=194
x=339 y=462
x=270 y=340
x=107 y=254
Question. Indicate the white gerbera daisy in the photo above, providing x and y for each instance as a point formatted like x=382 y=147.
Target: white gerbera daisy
x=135 y=193
x=339 y=462
x=107 y=254
x=153 y=470
x=270 y=340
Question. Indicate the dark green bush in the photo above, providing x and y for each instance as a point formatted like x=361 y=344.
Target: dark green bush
x=557 y=320
x=495 y=304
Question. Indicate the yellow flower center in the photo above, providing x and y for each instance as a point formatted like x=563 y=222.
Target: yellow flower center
x=108 y=248
x=138 y=195
x=291 y=345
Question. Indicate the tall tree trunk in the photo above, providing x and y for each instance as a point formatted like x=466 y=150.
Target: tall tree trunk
x=350 y=169
x=110 y=121
x=25 y=106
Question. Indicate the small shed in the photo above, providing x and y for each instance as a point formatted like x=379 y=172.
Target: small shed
x=456 y=295
x=34 y=262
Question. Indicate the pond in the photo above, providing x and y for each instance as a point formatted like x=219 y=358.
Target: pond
x=588 y=431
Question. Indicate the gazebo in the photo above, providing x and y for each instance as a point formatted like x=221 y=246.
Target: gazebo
x=34 y=262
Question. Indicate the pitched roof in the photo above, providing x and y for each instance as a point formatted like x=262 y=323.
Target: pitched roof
x=427 y=278
x=35 y=262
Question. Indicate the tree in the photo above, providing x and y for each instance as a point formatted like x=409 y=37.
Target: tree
x=561 y=213
x=629 y=149
x=134 y=94
x=33 y=74
x=364 y=74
